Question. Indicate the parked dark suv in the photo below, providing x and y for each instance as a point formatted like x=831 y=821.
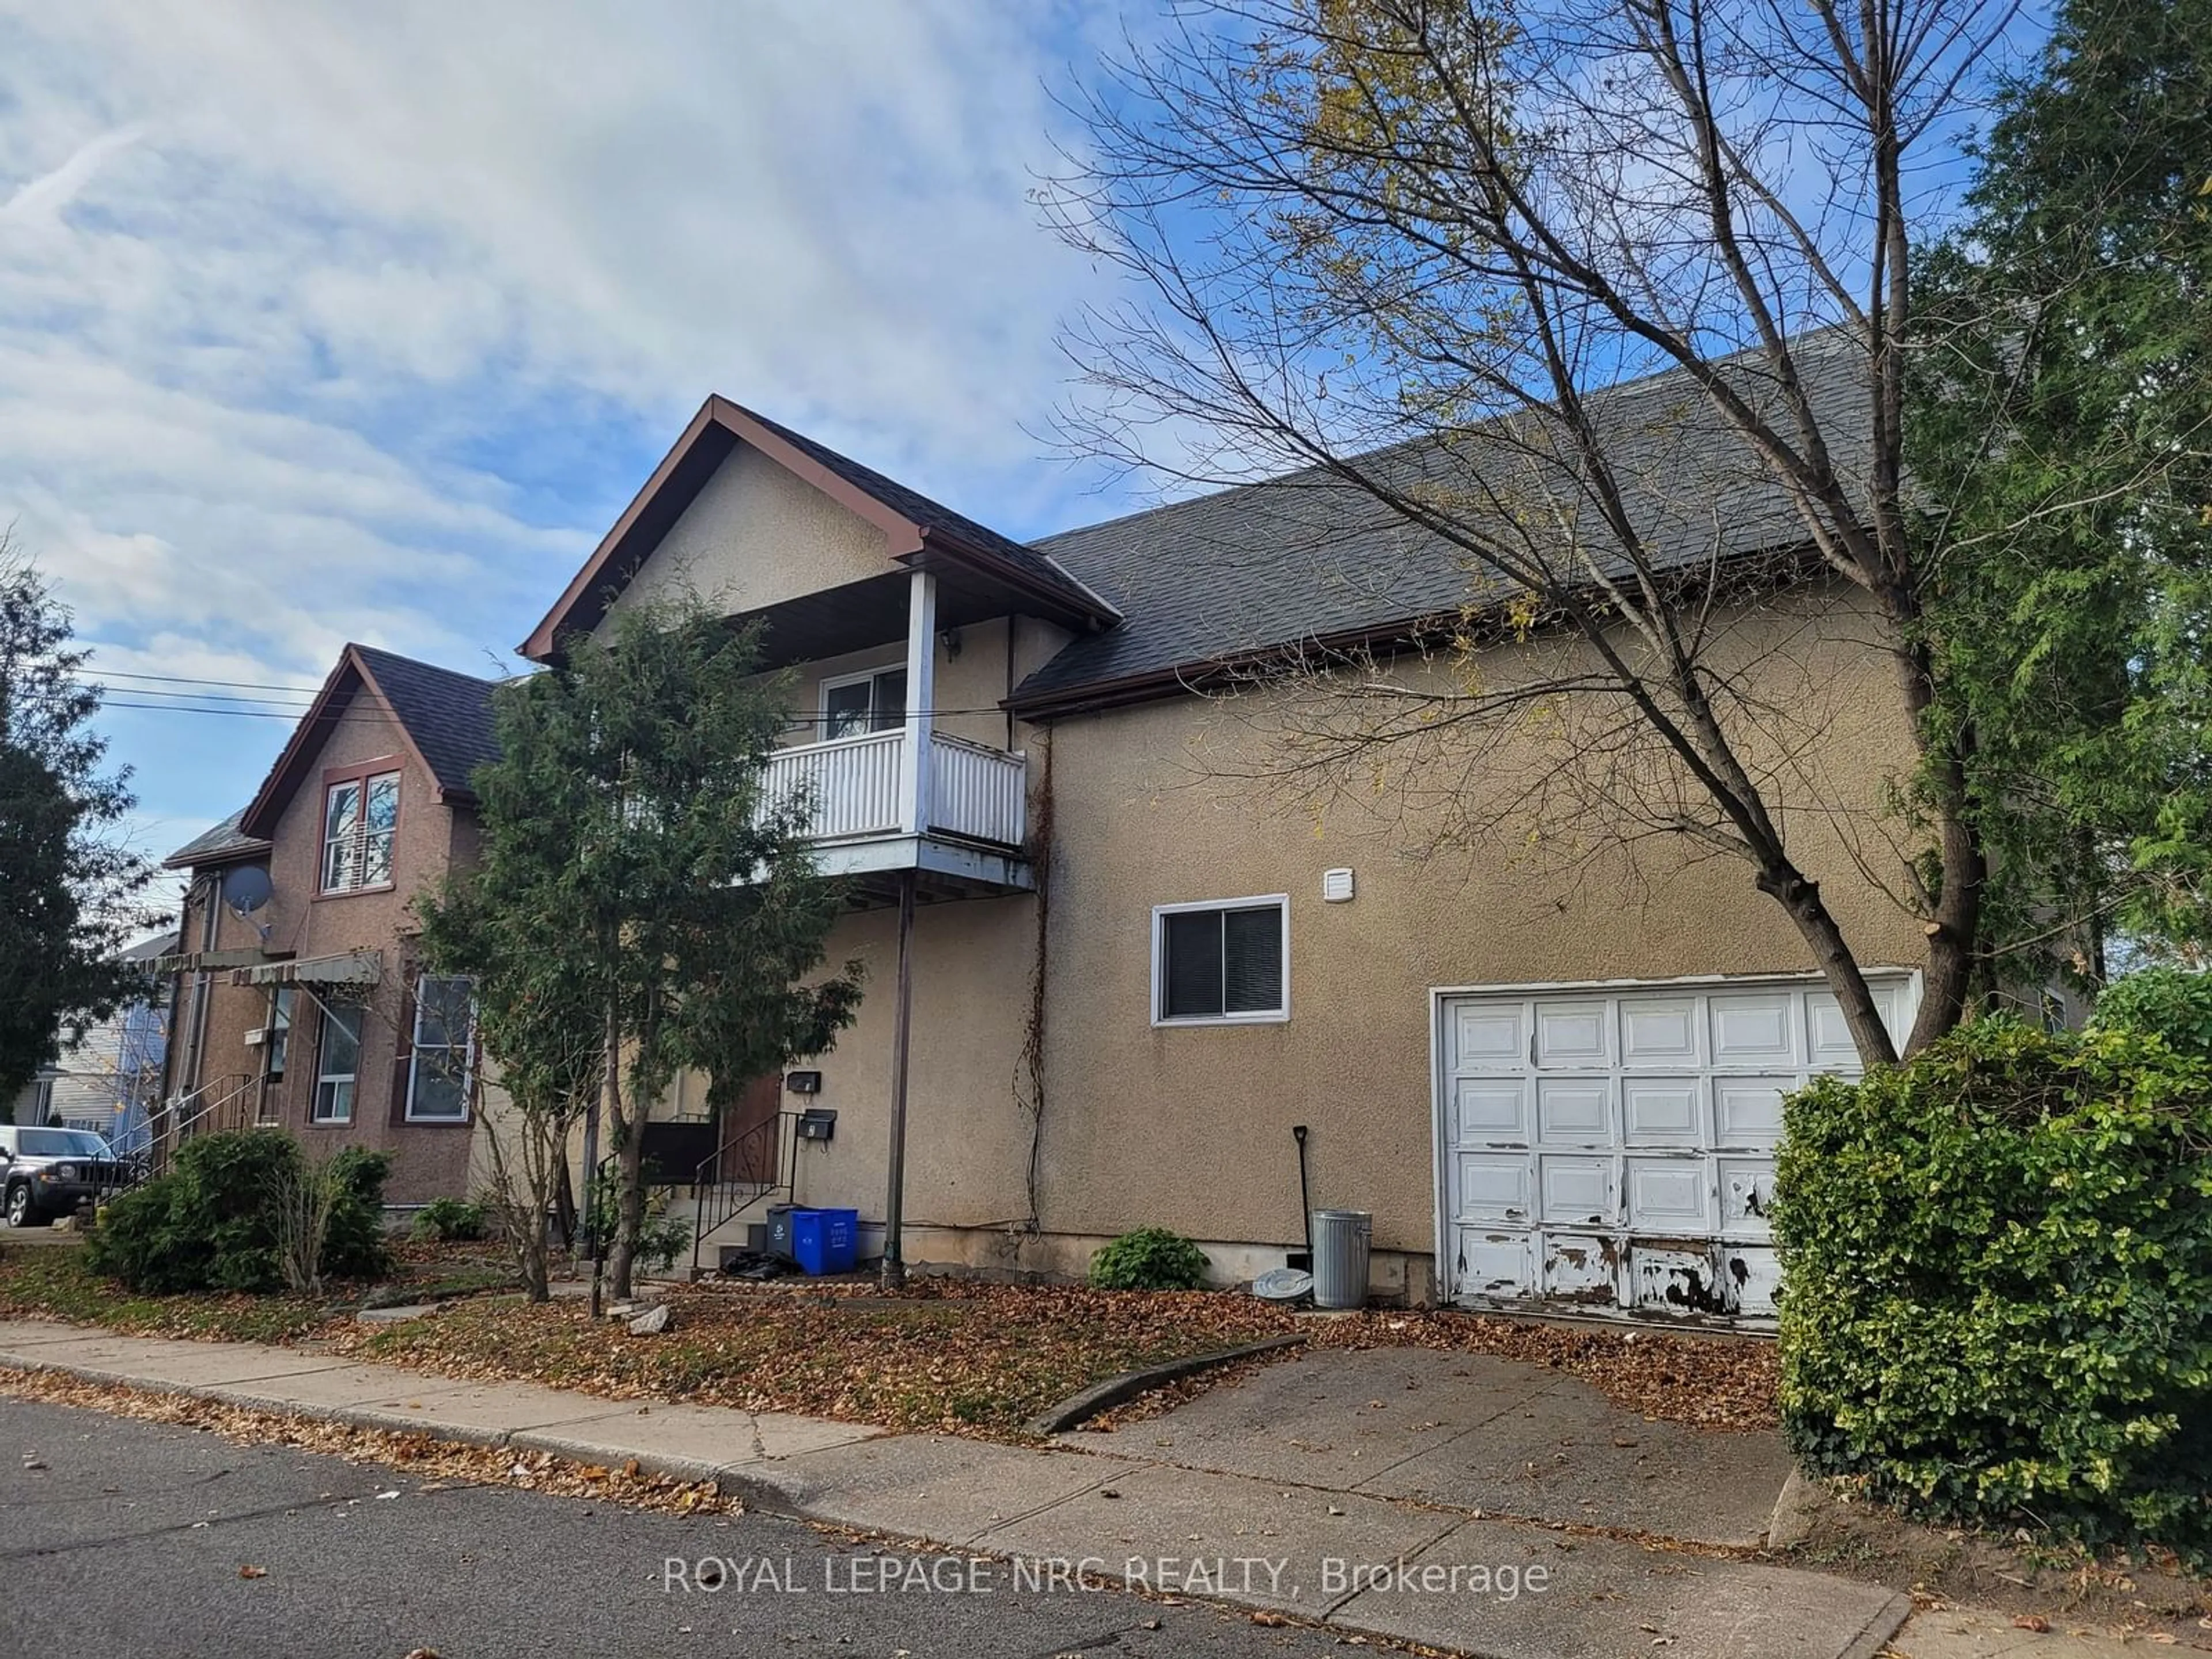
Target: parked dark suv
x=46 y=1172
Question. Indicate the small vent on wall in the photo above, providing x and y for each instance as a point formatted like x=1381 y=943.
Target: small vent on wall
x=1336 y=886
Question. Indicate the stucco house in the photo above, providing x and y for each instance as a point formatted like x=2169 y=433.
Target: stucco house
x=299 y=998
x=1117 y=954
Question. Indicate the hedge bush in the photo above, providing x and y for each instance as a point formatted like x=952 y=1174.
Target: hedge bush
x=2161 y=1002
x=449 y=1220
x=1149 y=1259
x=209 y=1223
x=1999 y=1292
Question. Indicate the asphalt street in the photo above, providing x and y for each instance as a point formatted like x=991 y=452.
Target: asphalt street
x=121 y=1538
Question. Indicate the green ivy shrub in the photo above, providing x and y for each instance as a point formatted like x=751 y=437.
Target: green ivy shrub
x=355 y=1244
x=1999 y=1293
x=448 y=1220
x=661 y=1240
x=1149 y=1259
x=209 y=1223
x=142 y=1242
x=2172 y=1003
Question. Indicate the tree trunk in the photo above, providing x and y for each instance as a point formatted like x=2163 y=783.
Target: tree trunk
x=629 y=1209
x=1954 y=919
x=537 y=1278
x=1801 y=897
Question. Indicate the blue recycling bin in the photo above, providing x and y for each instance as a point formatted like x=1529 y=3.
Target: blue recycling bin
x=826 y=1241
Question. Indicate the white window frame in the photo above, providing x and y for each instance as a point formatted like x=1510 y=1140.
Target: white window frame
x=326 y=1010
x=466 y=1045
x=866 y=676
x=1276 y=1016
x=360 y=834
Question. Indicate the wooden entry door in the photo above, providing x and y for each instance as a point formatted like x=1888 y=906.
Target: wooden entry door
x=750 y=1140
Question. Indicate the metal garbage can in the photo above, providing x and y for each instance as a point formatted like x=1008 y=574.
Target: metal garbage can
x=1340 y=1238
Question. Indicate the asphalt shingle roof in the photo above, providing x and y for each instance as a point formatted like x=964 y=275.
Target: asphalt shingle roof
x=447 y=714
x=1308 y=555
x=225 y=840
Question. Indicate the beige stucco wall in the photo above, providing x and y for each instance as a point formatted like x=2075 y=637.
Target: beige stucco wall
x=967 y=1135
x=754 y=535
x=1190 y=1127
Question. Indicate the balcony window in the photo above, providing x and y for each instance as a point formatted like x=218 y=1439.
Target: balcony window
x=858 y=703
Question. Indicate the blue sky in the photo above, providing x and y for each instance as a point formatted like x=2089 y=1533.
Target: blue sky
x=322 y=323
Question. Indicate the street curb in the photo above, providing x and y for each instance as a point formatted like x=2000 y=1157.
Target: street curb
x=379 y=1419
x=1087 y=1403
x=1874 y=1638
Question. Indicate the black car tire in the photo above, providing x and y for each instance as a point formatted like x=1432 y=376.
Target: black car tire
x=22 y=1213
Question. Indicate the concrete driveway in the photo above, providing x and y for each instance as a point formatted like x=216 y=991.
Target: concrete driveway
x=1472 y=1432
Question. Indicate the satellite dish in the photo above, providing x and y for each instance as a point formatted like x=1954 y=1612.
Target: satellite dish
x=247 y=888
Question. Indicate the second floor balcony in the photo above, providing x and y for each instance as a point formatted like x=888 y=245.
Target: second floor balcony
x=878 y=802
x=855 y=788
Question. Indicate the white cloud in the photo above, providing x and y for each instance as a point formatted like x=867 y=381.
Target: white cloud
x=321 y=322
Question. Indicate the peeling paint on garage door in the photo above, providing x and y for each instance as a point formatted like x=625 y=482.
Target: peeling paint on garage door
x=1611 y=1148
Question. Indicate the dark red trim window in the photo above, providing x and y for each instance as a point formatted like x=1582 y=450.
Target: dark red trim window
x=361 y=816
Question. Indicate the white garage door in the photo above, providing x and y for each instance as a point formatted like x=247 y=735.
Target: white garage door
x=1612 y=1148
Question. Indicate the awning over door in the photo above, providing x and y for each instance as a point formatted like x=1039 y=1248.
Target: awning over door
x=348 y=968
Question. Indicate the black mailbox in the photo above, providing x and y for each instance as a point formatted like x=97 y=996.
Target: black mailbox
x=817 y=1123
x=803 y=1082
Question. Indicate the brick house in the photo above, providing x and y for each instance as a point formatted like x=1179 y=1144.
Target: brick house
x=310 y=1010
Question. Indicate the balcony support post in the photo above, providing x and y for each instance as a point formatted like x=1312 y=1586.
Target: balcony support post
x=894 y=1265
x=920 y=702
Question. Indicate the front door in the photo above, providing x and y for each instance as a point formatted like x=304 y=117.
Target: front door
x=750 y=1141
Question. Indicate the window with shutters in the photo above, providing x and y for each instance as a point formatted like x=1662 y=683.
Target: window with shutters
x=1224 y=962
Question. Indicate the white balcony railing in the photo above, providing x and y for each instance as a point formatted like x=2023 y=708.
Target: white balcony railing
x=974 y=792
x=977 y=792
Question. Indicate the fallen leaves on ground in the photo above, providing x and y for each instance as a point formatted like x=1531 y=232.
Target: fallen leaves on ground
x=961 y=1356
x=434 y=1462
x=956 y=1356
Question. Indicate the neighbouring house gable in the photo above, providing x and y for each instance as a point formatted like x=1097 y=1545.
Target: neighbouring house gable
x=435 y=717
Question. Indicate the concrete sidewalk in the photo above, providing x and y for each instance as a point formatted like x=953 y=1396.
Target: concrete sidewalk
x=1388 y=1566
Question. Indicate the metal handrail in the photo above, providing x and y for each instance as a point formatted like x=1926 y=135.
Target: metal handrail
x=726 y=1200
x=178 y=1129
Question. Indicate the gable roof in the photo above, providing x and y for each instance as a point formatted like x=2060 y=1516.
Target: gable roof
x=1310 y=559
x=915 y=528
x=220 y=845
x=443 y=718
x=446 y=715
